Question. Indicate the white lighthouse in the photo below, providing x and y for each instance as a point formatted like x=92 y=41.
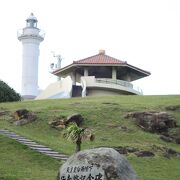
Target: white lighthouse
x=30 y=36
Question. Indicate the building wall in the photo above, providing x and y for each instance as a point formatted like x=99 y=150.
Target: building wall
x=59 y=89
x=100 y=92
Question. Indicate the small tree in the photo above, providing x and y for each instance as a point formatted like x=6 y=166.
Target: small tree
x=77 y=134
x=8 y=94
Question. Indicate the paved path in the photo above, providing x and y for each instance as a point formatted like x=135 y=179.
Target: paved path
x=33 y=145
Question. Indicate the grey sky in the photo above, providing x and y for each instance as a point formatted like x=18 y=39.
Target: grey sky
x=145 y=33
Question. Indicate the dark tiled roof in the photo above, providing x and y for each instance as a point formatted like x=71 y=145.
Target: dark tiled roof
x=99 y=59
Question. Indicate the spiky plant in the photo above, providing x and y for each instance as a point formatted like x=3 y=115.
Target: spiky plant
x=77 y=134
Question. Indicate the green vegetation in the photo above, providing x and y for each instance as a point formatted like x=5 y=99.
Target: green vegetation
x=105 y=117
x=7 y=94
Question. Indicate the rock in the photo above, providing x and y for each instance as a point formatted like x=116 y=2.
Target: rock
x=24 y=117
x=156 y=122
x=173 y=108
x=131 y=149
x=2 y=113
x=62 y=123
x=125 y=150
x=168 y=153
x=166 y=138
x=144 y=154
x=21 y=122
x=171 y=151
x=177 y=139
x=77 y=118
x=121 y=150
x=97 y=164
x=21 y=114
x=58 y=123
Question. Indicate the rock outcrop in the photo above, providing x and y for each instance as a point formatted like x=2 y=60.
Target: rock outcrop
x=23 y=116
x=156 y=122
x=63 y=122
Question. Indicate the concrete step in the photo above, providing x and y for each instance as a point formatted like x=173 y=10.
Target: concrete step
x=28 y=143
x=50 y=152
x=36 y=145
x=40 y=148
x=3 y=130
x=20 y=139
x=10 y=134
x=23 y=140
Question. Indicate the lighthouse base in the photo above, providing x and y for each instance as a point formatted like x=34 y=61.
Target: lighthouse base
x=28 y=97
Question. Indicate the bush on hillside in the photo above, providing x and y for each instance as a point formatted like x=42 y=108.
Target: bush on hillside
x=8 y=94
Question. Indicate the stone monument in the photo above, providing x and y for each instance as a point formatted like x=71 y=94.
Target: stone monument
x=97 y=164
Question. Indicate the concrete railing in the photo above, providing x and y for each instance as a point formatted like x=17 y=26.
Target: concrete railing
x=114 y=81
x=91 y=81
x=28 y=31
x=119 y=82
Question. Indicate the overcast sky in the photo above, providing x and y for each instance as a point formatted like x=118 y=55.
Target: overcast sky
x=145 y=33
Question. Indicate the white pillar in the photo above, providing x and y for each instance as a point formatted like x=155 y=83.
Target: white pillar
x=30 y=69
x=73 y=77
x=128 y=78
x=114 y=73
x=85 y=72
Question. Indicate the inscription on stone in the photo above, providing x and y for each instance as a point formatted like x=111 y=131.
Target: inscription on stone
x=82 y=172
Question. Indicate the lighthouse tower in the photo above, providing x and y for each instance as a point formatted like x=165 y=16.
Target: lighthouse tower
x=30 y=36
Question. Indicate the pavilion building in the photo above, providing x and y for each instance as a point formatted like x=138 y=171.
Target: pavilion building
x=96 y=75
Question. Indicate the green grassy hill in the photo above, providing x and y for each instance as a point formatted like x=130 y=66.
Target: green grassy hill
x=105 y=116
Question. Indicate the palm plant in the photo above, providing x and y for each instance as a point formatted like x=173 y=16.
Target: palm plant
x=77 y=134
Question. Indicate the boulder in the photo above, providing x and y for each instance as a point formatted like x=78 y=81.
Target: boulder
x=97 y=164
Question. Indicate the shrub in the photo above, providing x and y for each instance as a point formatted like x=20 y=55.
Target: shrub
x=8 y=94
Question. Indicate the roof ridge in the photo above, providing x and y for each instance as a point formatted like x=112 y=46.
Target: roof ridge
x=85 y=58
x=115 y=58
x=99 y=59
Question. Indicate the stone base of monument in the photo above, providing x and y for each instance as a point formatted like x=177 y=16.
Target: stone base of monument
x=97 y=164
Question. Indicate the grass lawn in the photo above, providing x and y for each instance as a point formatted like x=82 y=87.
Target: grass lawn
x=17 y=162
x=105 y=116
